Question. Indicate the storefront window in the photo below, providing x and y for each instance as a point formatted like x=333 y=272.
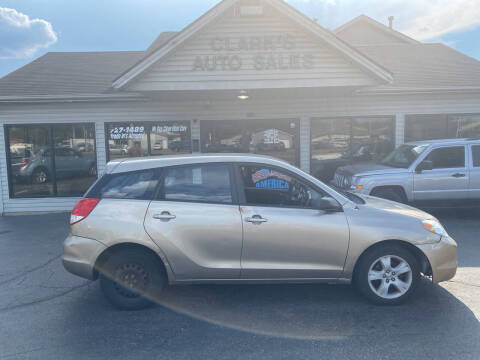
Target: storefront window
x=277 y=138
x=429 y=127
x=342 y=141
x=148 y=138
x=51 y=160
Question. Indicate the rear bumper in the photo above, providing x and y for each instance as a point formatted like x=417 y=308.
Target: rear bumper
x=442 y=257
x=80 y=254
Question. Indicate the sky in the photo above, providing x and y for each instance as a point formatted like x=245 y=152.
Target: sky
x=30 y=28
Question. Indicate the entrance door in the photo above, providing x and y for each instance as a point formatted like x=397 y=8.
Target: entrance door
x=285 y=236
x=449 y=178
x=196 y=222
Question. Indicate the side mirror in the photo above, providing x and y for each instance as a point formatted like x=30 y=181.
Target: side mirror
x=327 y=204
x=424 y=165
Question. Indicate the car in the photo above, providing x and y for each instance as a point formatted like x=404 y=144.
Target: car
x=240 y=218
x=117 y=149
x=38 y=168
x=431 y=172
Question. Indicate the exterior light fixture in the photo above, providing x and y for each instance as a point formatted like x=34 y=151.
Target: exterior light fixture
x=243 y=95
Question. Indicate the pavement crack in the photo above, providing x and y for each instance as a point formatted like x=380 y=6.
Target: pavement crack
x=44 y=299
x=3 y=282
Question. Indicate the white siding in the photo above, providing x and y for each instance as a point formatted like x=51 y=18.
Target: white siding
x=399 y=129
x=261 y=106
x=100 y=146
x=305 y=143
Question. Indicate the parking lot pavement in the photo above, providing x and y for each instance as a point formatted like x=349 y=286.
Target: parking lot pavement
x=47 y=313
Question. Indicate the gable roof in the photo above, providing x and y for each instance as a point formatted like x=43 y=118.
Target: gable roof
x=68 y=73
x=355 y=24
x=427 y=66
x=328 y=37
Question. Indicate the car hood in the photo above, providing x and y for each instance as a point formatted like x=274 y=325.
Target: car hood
x=363 y=169
x=394 y=207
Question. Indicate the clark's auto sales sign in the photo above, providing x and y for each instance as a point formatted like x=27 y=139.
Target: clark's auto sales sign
x=271 y=52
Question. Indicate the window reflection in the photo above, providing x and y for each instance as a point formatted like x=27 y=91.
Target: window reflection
x=51 y=160
x=30 y=161
x=127 y=140
x=277 y=138
x=75 y=158
x=342 y=141
x=429 y=127
x=147 y=138
x=170 y=138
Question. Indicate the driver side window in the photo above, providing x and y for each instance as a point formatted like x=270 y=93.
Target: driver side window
x=271 y=187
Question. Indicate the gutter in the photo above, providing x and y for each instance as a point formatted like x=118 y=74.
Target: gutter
x=72 y=98
x=410 y=91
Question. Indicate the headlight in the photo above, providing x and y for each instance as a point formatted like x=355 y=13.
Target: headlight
x=434 y=227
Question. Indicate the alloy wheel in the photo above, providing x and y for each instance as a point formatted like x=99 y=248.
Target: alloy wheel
x=131 y=280
x=390 y=277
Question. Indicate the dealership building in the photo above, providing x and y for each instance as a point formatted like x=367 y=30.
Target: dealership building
x=248 y=76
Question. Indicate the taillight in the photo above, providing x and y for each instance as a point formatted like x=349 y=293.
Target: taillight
x=83 y=208
x=25 y=162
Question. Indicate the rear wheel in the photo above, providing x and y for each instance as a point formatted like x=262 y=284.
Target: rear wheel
x=390 y=194
x=132 y=279
x=40 y=176
x=387 y=275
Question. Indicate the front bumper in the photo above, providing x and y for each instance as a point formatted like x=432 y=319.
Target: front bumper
x=442 y=257
x=80 y=254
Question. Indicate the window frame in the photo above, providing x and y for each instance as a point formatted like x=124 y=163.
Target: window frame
x=51 y=147
x=472 y=160
x=445 y=125
x=94 y=192
x=148 y=132
x=241 y=186
x=244 y=123
x=350 y=129
x=426 y=155
x=159 y=195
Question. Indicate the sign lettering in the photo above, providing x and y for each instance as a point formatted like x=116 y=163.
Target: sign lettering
x=270 y=52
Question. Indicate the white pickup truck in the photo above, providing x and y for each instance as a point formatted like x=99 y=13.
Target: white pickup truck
x=419 y=171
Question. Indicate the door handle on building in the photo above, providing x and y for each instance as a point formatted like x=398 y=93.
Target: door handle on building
x=164 y=216
x=458 y=175
x=256 y=219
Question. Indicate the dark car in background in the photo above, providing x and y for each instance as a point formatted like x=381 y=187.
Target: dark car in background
x=38 y=168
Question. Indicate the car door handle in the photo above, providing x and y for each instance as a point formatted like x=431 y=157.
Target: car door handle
x=458 y=175
x=164 y=216
x=256 y=219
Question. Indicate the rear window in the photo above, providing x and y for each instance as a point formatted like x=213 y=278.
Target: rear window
x=139 y=185
x=198 y=183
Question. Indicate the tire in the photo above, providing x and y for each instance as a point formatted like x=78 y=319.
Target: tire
x=399 y=288
x=390 y=194
x=40 y=176
x=134 y=266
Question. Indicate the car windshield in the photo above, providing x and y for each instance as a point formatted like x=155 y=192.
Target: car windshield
x=403 y=156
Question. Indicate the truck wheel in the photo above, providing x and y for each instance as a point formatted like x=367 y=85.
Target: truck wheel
x=390 y=194
x=387 y=275
x=132 y=279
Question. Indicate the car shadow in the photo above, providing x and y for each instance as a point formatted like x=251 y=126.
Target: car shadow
x=319 y=313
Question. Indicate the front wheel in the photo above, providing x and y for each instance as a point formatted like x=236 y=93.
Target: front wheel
x=387 y=275
x=132 y=279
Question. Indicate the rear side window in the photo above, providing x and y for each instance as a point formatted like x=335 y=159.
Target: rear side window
x=476 y=155
x=198 y=183
x=138 y=185
x=448 y=157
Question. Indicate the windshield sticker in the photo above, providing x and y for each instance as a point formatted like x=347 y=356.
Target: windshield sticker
x=271 y=179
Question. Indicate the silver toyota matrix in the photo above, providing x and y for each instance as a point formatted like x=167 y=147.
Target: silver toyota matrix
x=244 y=218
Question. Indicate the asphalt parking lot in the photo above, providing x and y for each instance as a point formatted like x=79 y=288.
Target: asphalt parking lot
x=46 y=313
